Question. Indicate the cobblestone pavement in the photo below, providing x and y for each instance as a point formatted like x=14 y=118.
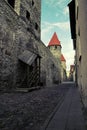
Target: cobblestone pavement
x=69 y=116
x=29 y=111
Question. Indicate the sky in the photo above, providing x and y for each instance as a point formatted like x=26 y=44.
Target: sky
x=55 y=18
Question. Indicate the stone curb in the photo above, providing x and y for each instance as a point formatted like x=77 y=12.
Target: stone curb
x=52 y=114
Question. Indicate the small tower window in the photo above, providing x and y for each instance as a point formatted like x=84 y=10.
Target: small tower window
x=27 y=15
x=32 y=2
x=36 y=26
x=11 y=2
x=55 y=47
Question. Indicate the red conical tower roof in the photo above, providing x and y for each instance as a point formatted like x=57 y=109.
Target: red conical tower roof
x=62 y=58
x=54 y=40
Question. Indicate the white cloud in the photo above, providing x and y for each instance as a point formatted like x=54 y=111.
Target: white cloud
x=61 y=2
x=44 y=34
x=63 y=25
x=45 y=31
x=57 y=14
x=56 y=3
x=51 y=2
x=47 y=27
x=66 y=10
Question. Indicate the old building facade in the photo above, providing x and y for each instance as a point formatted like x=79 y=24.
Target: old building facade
x=24 y=59
x=78 y=21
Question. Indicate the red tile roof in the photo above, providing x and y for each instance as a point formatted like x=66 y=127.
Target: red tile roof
x=54 y=40
x=62 y=58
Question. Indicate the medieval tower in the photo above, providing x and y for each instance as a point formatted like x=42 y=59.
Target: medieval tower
x=55 y=47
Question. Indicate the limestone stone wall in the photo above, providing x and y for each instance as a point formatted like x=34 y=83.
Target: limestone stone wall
x=63 y=71
x=57 y=54
x=17 y=34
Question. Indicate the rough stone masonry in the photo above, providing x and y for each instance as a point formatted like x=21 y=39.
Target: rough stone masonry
x=20 y=31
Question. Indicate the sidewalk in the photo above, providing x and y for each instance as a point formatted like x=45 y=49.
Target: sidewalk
x=69 y=115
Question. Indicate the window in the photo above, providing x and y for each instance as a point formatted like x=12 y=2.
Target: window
x=79 y=31
x=80 y=58
x=11 y=2
x=53 y=66
x=32 y=3
x=55 y=47
x=27 y=15
x=79 y=49
x=36 y=26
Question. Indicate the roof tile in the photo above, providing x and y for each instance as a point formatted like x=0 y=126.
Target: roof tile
x=54 y=40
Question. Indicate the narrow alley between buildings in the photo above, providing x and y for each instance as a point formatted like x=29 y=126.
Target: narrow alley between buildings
x=34 y=66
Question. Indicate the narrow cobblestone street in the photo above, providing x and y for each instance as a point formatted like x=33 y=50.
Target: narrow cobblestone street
x=55 y=108
x=69 y=115
x=28 y=111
